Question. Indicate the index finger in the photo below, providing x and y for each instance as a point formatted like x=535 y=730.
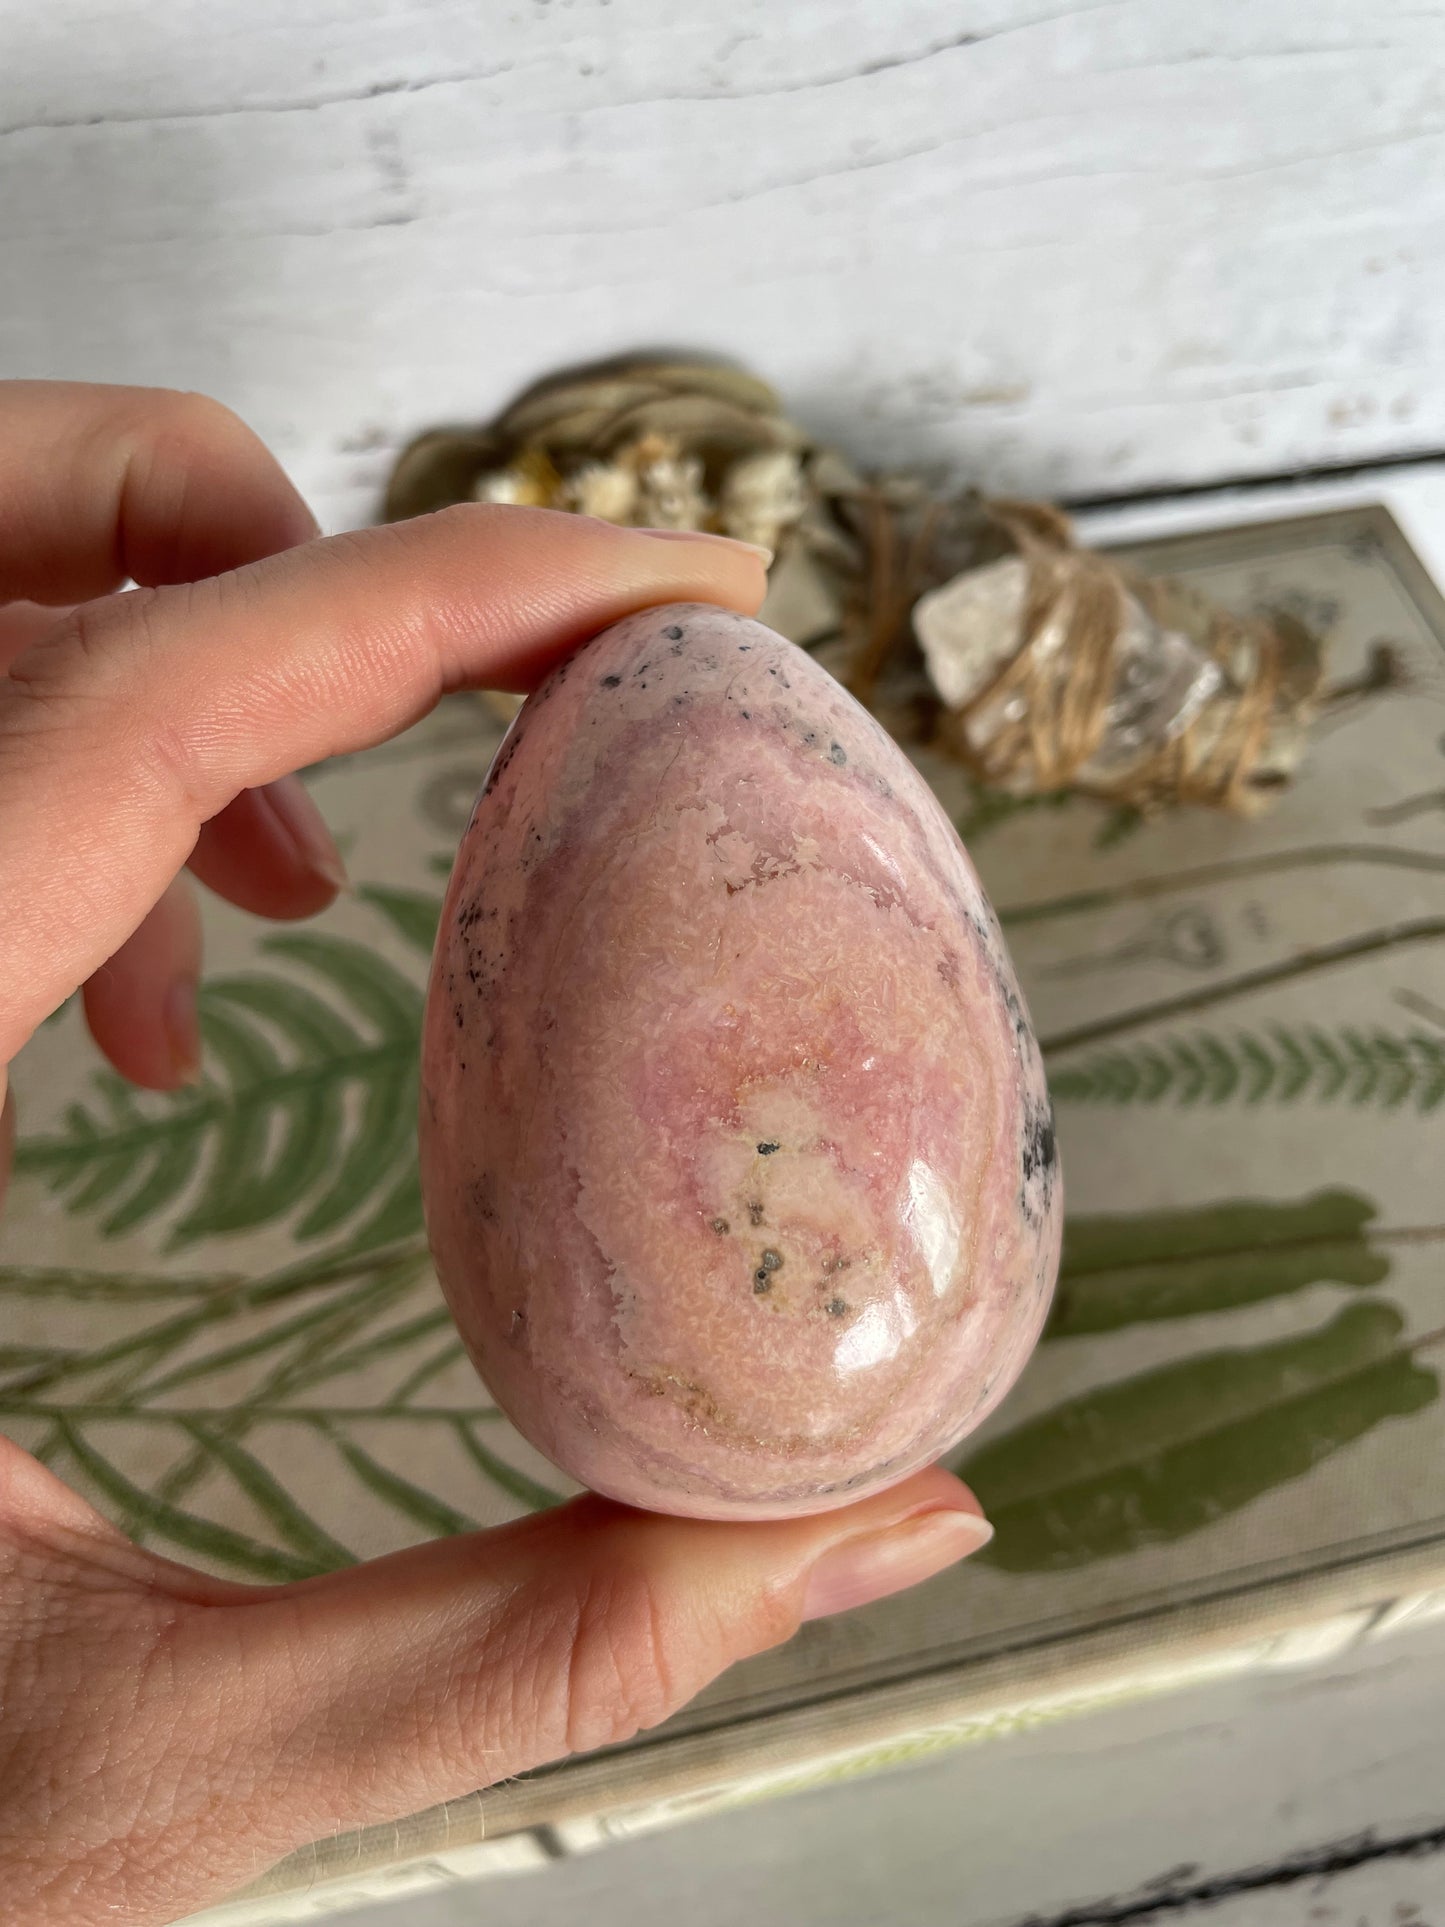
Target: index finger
x=99 y=486
x=146 y=713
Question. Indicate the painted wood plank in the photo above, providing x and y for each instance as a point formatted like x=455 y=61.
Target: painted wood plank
x=1254 y=1801
x=1080 y=249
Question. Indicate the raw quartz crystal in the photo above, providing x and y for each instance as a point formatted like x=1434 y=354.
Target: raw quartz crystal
x=968 y=630
x=1168 y=679
x=737 y=1154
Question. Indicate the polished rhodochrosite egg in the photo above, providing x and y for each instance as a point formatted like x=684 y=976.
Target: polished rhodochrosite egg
x=738 y=1160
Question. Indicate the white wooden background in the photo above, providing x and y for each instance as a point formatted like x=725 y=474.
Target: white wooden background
x=1306 y=1798
x=1076 y=248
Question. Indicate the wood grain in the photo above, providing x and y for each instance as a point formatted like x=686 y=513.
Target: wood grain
x=1307 y=1797
x=1084 y=249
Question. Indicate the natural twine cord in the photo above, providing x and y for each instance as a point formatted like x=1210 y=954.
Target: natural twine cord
x=1054 y=692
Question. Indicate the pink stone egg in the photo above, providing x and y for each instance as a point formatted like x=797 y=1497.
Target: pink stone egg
x=737 y=1155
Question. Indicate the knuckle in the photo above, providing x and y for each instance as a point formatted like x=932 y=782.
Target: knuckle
x=604 y=1649
x=358 y=557
x=59 y=666
x=619 y=1677
x=194 y=419
x=160 y=436
x=79 y=684
x=85 y=638
x=358 y=551
x=47 y=692
x=587 y=1664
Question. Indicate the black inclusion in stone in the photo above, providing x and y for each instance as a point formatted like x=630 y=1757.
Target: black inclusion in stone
x=767 y=1150
x=1038 y=1161
x=1040 y=1150
x=611 y=682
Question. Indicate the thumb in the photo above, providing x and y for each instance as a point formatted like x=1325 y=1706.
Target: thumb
x=418 y=1678
x=387 y=1688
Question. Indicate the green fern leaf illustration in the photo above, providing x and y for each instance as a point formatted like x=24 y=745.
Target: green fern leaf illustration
x=335 y=1346
x=989 y=808
x=137 y=1511
x=1189 y=1070
x=431 y=1367
x=1257 y=1067
x=297 y=1353
x=326 y=1324
x=290 y=1523
x=1121 y=1271
x=1157 y=1456
x=307 y=1109
x=289 y=1542
x=537 y=1498
x=1331 y=1068
x=413 y=914
x=1295 y=1070
x=433 y=1515
x=1280 y=1066
x=109 y=1287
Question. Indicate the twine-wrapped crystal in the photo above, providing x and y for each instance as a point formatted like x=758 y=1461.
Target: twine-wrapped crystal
x=977 y=628
x=1060 y=670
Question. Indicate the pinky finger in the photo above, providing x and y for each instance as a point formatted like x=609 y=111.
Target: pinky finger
x=141 y=1006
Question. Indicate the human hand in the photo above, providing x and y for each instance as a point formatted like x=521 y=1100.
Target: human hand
x=165 y=1736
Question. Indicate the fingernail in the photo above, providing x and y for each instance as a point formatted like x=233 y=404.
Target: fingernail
x=183 y=1030
x=305 y=828
x=765 y=556
x=875 y=1564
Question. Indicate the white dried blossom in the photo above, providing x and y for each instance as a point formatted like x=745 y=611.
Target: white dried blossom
x=528 y=481
x=669 y=485
x=762 y=496
x=605 y=490
x=502 y=485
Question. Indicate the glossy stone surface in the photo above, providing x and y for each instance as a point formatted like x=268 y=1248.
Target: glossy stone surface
x=738 y=1160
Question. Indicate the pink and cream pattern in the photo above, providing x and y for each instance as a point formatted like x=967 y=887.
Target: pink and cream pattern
x=737 y=1152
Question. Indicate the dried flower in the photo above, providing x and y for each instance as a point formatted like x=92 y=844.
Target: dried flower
x=528 y=481
x=669 y=484
x=762 y=497
x=605 y=490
